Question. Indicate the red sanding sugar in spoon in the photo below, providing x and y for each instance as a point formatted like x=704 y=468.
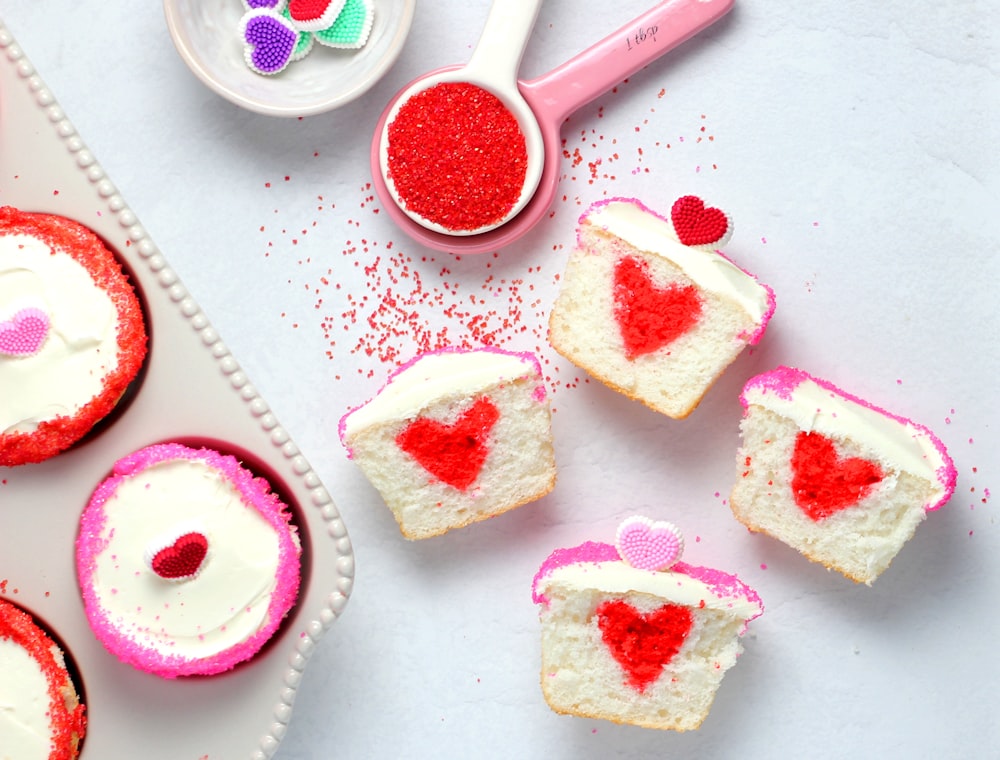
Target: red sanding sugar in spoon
x=457 y=156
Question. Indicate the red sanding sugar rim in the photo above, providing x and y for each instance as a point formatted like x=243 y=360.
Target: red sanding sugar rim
x=67 y=716
x=64 y=235
x=255 y=492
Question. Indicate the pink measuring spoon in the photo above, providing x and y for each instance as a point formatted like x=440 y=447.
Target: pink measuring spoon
x=551 y=98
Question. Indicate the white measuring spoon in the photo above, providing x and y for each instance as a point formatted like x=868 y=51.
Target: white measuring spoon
x=492 y=67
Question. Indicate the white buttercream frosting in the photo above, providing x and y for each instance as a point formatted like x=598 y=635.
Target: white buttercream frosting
x=432 y=375
x=709 y=270
x=814 y=408
x=614 y=577
x=25 y=729
x=81 y=346
x=227 y=601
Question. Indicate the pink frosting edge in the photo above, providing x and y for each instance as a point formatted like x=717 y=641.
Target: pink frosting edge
x=783 y=381
x=256 y=492
x=526 y=357
x=723 y=585
x=752 y=338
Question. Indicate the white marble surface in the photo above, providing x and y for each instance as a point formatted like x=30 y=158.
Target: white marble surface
x=855 y=146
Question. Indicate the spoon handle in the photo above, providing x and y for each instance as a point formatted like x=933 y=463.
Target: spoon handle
x=596 y=70
x=501 y=45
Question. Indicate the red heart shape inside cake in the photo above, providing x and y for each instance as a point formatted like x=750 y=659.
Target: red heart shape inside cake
x=824 y=483
x=643 y=643
x=182 y=559
x=650 y=317
x=455 y=453
x=696 y=224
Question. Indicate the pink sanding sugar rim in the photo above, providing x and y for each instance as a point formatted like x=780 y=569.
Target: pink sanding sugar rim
x=723 y=585
x=783 y=380
x=90 y=543
x=525 y=356
x=752 y=338
x=64 y=236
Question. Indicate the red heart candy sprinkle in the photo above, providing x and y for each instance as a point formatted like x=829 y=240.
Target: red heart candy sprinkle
x=650 y=317
x=181 y=559
x=696 y=224
x=454 y=454
x=313 y=10
x=823 y=483
x=643 y=643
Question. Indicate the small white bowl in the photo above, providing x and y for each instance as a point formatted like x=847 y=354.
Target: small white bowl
x=206 y=34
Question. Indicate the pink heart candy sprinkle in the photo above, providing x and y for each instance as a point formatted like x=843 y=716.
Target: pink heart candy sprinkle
x=648 y=545
x=24 y=333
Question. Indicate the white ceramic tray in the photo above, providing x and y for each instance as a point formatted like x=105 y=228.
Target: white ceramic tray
x=192 y=390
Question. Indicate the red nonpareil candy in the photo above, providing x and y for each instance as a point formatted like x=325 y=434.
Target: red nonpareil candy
x=698 y=224
x=181 y=559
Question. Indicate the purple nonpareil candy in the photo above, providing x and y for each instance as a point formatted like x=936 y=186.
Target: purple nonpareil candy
x=270 y=41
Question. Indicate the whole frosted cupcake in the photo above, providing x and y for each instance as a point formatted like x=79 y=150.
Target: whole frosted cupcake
x=72 y=336
x=633 y=635
x=41 y=716
x=187 y=562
